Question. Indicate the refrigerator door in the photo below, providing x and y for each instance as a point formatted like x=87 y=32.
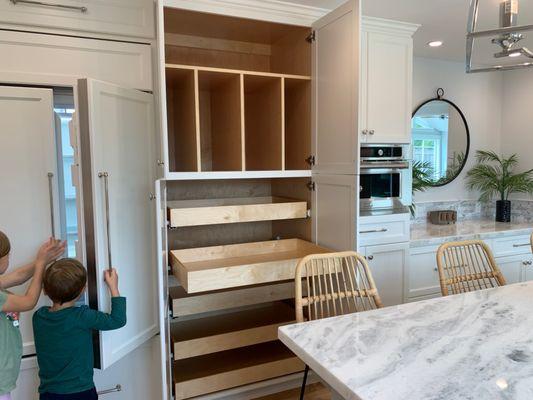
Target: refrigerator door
x=117 y=146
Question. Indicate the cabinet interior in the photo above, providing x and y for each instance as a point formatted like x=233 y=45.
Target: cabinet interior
x=238 y=93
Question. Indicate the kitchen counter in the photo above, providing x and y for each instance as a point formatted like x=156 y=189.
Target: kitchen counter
x=474 y=346
x=426 y=234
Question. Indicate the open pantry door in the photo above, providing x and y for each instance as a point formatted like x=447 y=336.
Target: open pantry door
x=29 y=212
x=335 y=66
x=117 y=146
x=335 y=127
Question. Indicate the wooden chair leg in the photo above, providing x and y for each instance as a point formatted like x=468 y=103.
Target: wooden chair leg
x=304 y=382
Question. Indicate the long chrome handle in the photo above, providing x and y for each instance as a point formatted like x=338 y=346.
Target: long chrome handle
x=117 y=388
x=105 y=176
x=522 y=245
x=41 y=3
x=51 y=197
x=382 y=230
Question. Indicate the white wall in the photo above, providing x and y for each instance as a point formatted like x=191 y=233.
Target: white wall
x=517 y=118
x=479 y=97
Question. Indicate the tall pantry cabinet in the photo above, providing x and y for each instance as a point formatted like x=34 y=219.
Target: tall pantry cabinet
x=260 y=152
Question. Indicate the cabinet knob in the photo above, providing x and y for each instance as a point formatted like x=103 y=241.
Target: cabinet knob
x=436 y=269
x=371 y=132
x=370 y=258
x=365 y=132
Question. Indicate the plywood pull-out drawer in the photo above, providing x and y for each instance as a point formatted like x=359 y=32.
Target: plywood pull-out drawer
x=229 y=331
x=206 y=374
x=222 y=267
x=184 y=304
x=227 y=211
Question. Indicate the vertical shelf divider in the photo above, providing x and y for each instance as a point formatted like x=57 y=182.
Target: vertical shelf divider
x=197 y=117
x=243 y=126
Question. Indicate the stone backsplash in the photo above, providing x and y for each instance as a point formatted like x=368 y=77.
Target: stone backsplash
x=522 y=210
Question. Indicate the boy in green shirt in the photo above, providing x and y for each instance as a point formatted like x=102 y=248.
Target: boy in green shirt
x=63 y=332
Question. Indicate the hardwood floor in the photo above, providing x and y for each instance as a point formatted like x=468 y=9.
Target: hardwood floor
x=315 y=391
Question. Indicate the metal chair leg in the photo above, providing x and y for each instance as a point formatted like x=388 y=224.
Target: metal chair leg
x=302 y=390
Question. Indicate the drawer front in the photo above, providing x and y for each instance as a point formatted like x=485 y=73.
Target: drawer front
x=423 y=275
x=511 y=245
x=113 y=17
x=125 y=64
x=379 y=230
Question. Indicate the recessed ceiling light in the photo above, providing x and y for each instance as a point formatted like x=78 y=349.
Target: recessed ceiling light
x=436 y=43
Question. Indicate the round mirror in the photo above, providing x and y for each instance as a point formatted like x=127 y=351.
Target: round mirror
x=440 y=139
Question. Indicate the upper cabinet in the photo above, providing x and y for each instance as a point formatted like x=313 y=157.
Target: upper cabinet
x=386 y=81
x=133 y=18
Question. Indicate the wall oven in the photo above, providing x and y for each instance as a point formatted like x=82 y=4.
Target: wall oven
x=384 y=177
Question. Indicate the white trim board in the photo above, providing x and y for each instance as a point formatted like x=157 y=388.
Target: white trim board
x=265 y=10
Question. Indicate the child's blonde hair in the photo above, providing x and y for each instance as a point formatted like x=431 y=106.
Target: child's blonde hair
x=5 y=245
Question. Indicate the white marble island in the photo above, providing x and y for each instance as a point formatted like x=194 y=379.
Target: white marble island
x=476 y=346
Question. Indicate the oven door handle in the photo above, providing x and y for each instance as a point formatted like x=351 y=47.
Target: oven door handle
x=385 y=165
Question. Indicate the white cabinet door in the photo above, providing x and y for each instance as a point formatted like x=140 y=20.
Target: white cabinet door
x=513 y=267
x=527 y=269
x=27 y=156
x=387 y=88
x=26 y=56
x=387 y=264
x=116 y=17
x=336 y=90
x=333 y=211
x=422 y=274
x=117 y=146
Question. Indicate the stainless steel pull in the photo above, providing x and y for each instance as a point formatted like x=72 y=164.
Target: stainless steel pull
x=55 y=5
x=374 y=231
x=160 y=163
x=105 y=176
x=522 y=245
x=117 y=388
x=51 y=197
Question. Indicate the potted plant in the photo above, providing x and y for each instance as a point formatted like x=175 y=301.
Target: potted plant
x=422 y=174
x=495 y=176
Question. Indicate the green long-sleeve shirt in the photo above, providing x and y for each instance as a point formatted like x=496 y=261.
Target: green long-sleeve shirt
x=63 y=341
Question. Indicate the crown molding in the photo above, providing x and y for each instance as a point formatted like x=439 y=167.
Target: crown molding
x=265 y=10
x=388 y=26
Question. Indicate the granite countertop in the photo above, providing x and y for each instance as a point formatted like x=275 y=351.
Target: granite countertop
x=425 y=234
x=473 y=346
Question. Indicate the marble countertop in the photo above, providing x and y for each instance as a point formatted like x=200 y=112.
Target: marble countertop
x=473 y=346
x=426 y=234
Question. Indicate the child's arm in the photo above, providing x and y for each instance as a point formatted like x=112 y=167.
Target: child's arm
x=100 y=321
x=23 y=274
x=16 y=303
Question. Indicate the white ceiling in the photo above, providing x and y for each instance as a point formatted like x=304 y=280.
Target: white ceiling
x=443 y=20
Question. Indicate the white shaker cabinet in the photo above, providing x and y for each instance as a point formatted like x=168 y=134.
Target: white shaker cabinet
x=134 y=18
x=386 y=81
x=512 y=268
x=29 y=212
x=387 y=264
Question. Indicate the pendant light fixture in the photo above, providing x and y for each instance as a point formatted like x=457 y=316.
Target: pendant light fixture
x=506 y=39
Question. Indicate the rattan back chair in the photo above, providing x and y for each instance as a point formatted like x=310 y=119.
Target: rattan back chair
x=467 y=266
x=333 y=284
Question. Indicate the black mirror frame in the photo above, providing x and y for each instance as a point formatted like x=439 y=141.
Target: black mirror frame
x=440 y=97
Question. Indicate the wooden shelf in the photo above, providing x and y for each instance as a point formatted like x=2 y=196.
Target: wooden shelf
x=192 y=176
x=183 y=134
x=229 y=331
x=222 y=267
x=237 y=71
x=221 y=130
x=206 y=374
x=263 y=120
x=184 y=304
x=297 y=123
x=227 y=211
